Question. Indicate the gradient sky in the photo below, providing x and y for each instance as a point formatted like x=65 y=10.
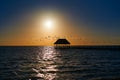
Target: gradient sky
x=83 y=22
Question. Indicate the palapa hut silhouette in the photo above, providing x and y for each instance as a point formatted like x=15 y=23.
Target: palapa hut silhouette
x=62 y=43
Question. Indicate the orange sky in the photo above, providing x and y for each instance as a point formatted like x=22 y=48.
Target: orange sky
x=32 y=32
x=82 y=22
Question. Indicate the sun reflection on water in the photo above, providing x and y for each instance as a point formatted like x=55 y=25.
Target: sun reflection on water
x=48 y=60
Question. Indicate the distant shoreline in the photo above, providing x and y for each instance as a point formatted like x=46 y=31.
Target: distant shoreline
x=96 y=47
x=53 y=45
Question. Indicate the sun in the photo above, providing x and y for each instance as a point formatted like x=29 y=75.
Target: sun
x=49 y=23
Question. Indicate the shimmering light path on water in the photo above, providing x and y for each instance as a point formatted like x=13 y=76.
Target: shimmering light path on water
x=48 y=63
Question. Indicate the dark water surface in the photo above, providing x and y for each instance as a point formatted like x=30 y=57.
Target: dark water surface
x=48 y=63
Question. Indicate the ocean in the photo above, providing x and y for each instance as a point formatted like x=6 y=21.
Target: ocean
x=49 y=63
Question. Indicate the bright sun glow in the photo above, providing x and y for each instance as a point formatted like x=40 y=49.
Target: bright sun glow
x=49 y=23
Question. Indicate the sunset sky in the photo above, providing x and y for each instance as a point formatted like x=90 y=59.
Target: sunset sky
x=42 y=22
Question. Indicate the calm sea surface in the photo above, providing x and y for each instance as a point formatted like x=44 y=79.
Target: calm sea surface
x=48 y=63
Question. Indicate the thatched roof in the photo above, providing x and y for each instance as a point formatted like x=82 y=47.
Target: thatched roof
x=62 y=41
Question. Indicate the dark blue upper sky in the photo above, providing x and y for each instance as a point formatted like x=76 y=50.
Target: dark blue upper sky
x=100 y=15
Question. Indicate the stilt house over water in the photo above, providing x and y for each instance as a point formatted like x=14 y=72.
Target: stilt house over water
x=62 y=43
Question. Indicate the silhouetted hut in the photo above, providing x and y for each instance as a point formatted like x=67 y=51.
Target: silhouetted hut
x=62 y=43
